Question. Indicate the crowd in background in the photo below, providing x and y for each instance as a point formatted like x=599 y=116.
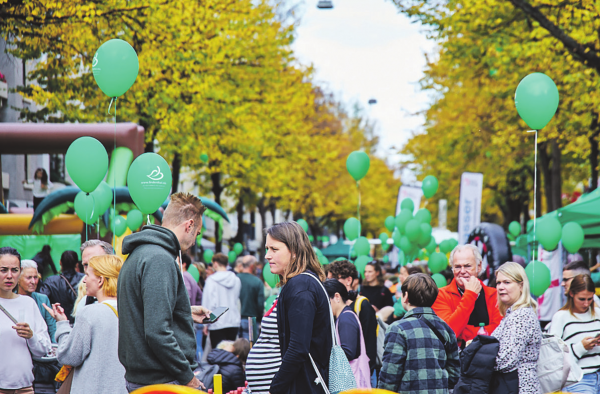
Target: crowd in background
x=116 y=326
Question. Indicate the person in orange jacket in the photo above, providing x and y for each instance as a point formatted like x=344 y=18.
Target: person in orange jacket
x=466 y=301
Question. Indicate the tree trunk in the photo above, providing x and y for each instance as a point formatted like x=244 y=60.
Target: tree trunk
x=262 y=211
x=556 y=185
x=273 y=210
x=217 y=189
x=150 y=144
x=594 y=152
x=176 y=171
x=544 y=172
x=239 y=237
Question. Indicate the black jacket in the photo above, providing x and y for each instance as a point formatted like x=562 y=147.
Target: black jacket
x=157 y=343
x=304 y=326
x=57 y=290
x=230 y=367
x=477 y=363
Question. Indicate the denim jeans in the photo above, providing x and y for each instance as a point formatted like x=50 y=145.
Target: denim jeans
x=244 y=329
x=589 y=384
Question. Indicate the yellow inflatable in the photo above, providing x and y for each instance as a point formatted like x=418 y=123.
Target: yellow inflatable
x=18 y=224
x=167 y=389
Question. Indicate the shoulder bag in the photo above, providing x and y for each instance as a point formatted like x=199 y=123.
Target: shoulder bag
x=341 y=377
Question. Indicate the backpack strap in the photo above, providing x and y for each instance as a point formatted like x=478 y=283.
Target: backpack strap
x=435 y=331
x=113 y=308
x=72 y=289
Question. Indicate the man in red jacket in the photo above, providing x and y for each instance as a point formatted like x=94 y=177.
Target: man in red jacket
x=466 y=301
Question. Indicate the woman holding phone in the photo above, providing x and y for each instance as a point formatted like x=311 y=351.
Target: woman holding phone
x=578 y=324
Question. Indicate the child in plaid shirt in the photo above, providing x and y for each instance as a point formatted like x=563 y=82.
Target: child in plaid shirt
x=421 y=351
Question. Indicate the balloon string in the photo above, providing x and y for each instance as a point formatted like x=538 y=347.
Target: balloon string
x=114 y=172
x=534 y=193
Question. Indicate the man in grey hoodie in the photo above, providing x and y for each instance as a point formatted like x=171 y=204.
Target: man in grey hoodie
x=222 y=289
x=157 y=343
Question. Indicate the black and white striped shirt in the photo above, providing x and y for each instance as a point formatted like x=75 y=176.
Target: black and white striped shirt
x=265 y=357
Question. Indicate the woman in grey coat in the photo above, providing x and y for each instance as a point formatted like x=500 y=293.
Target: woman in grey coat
x=91 y=346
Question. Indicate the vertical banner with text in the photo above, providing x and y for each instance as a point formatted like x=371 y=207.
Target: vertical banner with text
x=469 y=207
x=413 y=192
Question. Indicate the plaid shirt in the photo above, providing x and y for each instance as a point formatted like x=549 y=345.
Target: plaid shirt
x=414 y=359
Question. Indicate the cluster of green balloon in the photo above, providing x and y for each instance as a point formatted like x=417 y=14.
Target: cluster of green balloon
x=361 y=263
x=383 y=237
x=572 y=237
x=437 y=262
x=358 y=164
x=439 y=280
x=538 y=274
x=412 y=233
x=548 y=231
x=514 y=229
x=352 y=228
x=149 y=181
x=115 y=67
x=135 y=219
x=193 y=270
x=207 y=256
x=536 y=100
x=430 y=186
x=304 y=224
x=270 y=278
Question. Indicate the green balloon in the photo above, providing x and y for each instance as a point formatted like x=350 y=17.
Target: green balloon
x=548 y=231
x=422 y=254
x=536 y=100
x=402 y=219
x=358 y=164
x=529 y=225
x=323 y=260
x=407 y=203
x=269 y=277
x=238 y=248
x=385 y=247
x=204 y=158
x=351 y=227
x=360 y=264
x=446 y=246
x=538 y=274
x=115 y=67
x=85 y=208
x=437 y=262
x=432 y=246
x=572 y=237
x=389 y=223
x=317 y=251
x=87 y=163
x=134 y=219
x=303 y=224
x=423 y=215
x=425 y=234
x=311 y=238
x=453 y=243
x=103 y=196
x=439 y=280
x=353 y=254
x=429 y=186
x=207 y=256
x=401 y=258
x=193 y=270
x=386 y=259
x=120 y=225
x=406 y=246
x=514 y=228
x=413 y=230
x=149 y=181
x=269 y=302
x=340 y=259
x=231 y=256
x=396 y=237
x=383 y=237
x=362 y=247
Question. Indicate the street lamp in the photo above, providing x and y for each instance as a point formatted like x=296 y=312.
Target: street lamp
x=325 y=4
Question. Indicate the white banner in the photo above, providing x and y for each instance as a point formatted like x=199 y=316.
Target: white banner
x=469 y=207
x=413 y=192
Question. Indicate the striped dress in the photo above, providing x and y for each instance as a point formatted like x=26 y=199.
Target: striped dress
x=265 y=357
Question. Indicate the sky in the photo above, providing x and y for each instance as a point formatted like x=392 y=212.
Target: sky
x=366 y=49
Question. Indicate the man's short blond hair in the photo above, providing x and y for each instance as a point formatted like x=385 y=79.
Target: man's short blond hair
x=182 y=207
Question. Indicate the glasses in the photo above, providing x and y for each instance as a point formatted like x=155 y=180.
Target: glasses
x=458 y=268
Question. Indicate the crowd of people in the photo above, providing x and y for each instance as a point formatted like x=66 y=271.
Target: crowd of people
x=118 y=326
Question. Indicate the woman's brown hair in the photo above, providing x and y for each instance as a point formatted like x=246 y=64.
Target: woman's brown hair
x=296 y=240
x=581 y=282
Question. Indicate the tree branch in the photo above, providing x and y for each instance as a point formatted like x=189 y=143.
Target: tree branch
x=586 y=55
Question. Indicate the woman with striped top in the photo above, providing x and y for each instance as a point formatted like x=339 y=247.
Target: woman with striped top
x=578 y=324
x=265 y=357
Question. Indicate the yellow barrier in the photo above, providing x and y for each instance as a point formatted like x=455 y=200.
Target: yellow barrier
x=167 y=389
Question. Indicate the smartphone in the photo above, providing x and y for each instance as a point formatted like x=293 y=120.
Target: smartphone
x=215 y=314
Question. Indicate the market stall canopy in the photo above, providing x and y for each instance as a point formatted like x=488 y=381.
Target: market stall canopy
x=586 y=212
x=339 y=249
x=37 y=138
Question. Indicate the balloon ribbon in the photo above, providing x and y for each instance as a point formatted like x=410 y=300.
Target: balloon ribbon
x=534 y=192
x=114 y=177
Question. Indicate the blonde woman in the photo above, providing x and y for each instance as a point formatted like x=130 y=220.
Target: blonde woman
x=519 y=334
x=91 y=345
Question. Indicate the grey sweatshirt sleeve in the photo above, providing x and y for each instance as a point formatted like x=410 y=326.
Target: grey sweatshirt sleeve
x=74 y=344
x=159 y=297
